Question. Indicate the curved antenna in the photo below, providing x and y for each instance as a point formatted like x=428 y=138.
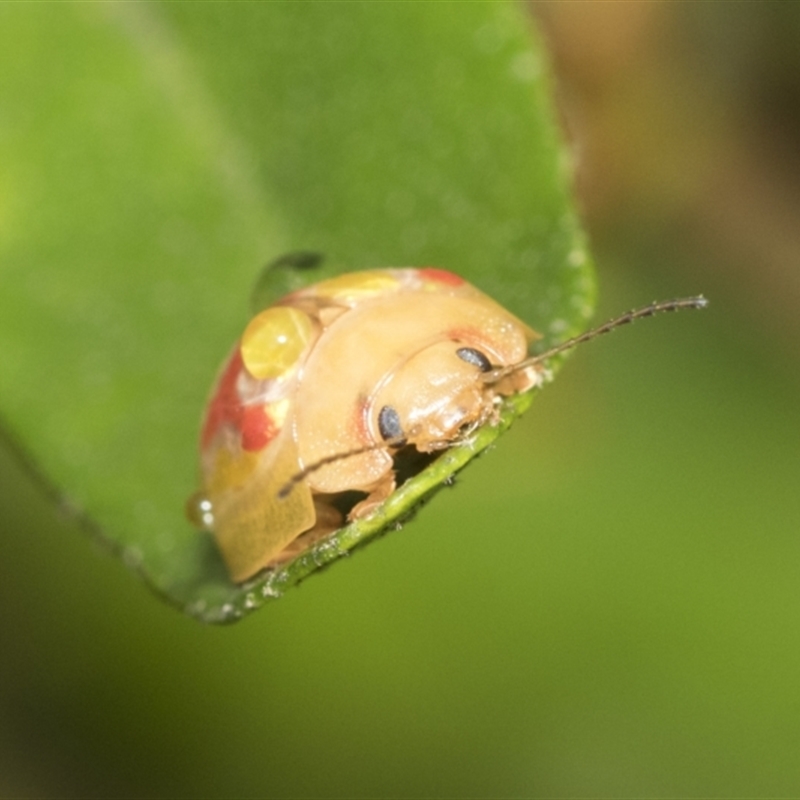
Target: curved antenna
x=302 y=474
x=647 y=311
x=498 y=374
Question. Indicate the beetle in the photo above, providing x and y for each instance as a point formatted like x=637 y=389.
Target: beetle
x=328 y=387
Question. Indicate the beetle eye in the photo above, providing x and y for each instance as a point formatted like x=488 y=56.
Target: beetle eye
x=474 y=357
x=389 y=423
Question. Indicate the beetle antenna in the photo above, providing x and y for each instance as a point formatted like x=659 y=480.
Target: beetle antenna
x=300 y=476
x=498 y=374
x=647 y=311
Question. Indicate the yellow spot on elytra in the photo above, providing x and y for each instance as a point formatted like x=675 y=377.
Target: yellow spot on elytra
x=274 y=341
x=357 y=285
x=230 y=469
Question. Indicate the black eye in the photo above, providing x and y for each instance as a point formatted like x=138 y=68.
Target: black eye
x=474 y=357
x=389 y=423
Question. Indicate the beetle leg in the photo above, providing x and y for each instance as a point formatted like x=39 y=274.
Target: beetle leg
x=378 y=492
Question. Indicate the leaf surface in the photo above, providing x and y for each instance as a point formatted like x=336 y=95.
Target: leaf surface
x=156 y=155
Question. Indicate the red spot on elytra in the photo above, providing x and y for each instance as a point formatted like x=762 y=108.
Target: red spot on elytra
x=441 y=276
x=225 y=405
x=257 y=428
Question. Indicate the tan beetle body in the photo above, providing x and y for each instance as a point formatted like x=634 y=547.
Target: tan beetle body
x=329 y=384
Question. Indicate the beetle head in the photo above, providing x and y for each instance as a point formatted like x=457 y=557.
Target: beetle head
x=435 y=396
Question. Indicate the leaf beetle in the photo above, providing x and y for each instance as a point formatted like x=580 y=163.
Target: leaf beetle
x=328 y=386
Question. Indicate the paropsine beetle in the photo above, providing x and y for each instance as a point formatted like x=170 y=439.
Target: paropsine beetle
x=327 y=386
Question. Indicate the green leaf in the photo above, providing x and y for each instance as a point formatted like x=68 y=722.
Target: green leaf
x=156 y=155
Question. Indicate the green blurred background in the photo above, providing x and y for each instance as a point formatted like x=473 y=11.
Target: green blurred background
x=620 y=617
